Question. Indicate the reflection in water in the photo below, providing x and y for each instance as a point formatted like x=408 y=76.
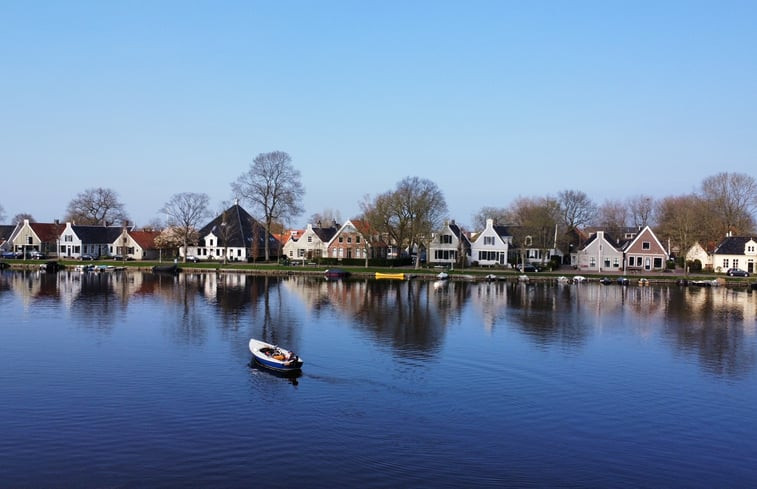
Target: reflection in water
x=410 y=316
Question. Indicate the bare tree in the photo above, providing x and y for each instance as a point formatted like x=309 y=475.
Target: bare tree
x=326 y=217
x=733 y=199
x=96 y=206
x=535 y=221
x=576 y=208
x=19 y=218
x=273 y=186
x=184 y=213
x=421 y=204
x=680 y=219
x=2 y=214
x=498 y=214
x=612 y=215
x=642 y=209
x=408 y=215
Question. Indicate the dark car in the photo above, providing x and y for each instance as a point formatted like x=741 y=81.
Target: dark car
x=737 y=272
x=86 y=257
x=529 y=269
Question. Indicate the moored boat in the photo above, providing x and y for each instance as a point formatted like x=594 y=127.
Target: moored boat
x=336 y=273
x=390 y=276
x=274 y=357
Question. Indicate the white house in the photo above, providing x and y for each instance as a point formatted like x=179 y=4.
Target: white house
x=698 y=253
x=311 y=244
x=491 y=246
x=599 y=254
x=447 y=244
x=735 y=252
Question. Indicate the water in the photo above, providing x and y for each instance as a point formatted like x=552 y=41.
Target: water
x=133 y=380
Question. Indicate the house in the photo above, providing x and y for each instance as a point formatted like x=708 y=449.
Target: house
x=735 y=252
x=697 y=253
x=492 y=245
x=28 y=237
x=600 y=253
x=645 y=252
x=234 y=235
x=310 y=244
x=137 y=245
x=355 y=239
x=447 y=244
x=95 y=241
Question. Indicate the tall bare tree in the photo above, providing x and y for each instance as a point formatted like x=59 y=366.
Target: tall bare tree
x=184 y=213
x=96 y=206
x=576 y=208
x=680 y=218
x=733 y=198
x=409 y=214
x=534 y=223
x=272 y=185
x=641 y=208
x=612 y=215
x=421 y=204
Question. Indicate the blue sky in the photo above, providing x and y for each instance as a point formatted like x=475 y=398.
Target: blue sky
x=490 y=100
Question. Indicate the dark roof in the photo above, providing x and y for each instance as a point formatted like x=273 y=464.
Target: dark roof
x=236 y=229
x=325 y=234
x=616 y=243
x=97 y=234
x=732 y=245
x=5 y=231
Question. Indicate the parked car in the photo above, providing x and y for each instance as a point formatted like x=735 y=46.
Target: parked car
x=86 y=257
x=529 y=269
x=10 y=254
x=737 y=272
x=37 y=255
x=192 y=258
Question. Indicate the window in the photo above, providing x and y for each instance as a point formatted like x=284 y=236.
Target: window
x=341 y=239
x=735 y=263
x=726 y=263
x=445 y=239
x=489 y=240
x=357 y=239
x=310 y=239
x=646 y=245
x=593 y=262
x=349 y=239
x=658 y=262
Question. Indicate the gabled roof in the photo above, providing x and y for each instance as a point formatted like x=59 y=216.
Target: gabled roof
x=616 y=244
x=47 y=232
x=145 y=239
x=97 y=234
x=628 y=244
x=325 y=234
x=732 y=245
x=237 y=229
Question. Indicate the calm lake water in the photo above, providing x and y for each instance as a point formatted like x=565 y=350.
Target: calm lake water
x=130 y=380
